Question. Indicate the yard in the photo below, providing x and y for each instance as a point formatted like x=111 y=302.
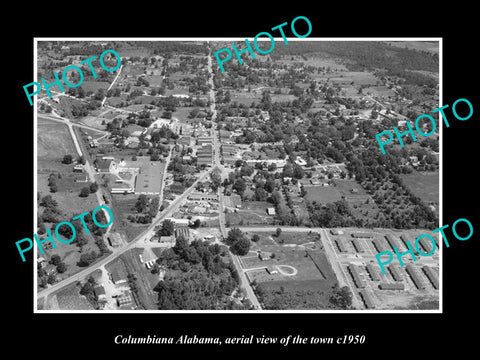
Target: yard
x=251 y=212
x=322 y=194
x=424 y=185
x=53 y=140
x=309 y=289
x=122 y=207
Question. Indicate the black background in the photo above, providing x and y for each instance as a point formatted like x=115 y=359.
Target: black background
x=92 y=334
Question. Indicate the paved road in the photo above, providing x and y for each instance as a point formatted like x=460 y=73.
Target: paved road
x=221 y=209
x=113 y=82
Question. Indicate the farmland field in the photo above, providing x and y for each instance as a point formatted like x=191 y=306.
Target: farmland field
x=53 y=140
x=321 y=194
x=423 y=185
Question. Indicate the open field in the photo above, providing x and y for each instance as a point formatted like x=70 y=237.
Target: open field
x=68 y=298
x=431 y=46
x=321 y=194
x=251 y=212
x=95 y=85
x=123 y=205
x=53 y=140
x=344 y=187
x=182 y=112
x=423 y=185
x=70 y=254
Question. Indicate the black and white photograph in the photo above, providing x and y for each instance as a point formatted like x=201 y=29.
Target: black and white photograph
x=252 y=185
x=240 y=181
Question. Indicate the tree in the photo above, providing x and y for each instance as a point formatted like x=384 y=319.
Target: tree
x=87 y=258
x=167 y=228
x=298 y=172
x=260 y=194
x=51 y=279
x=181 y=244
x=67 y=159
x=55 y=259
x=216 y=179
x=81 y=160
x=61 y=267
x=272 y=167
x=93 y=187
x=84 y=192
x=196 y=223
x=278 y=232
x=255 y=238
x=142 y=203
x=269 y=185
x=341 y=297
x=48 y=202
x=239 y=186
x=241 y=246
x=233 y=235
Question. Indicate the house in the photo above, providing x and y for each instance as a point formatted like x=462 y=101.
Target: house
x=271 y=211
x=264 y=255
x=201 y=140
x=103 y=165
x=197 y=196
x=100 y=292
x=118 y=277
x=180 y=222
x=80 y=178
x=272 y=270
x=78 y=168
x=125 y=300
x=167 y=240
x=209 y=238
x=225 y=135
x=41 y=260
x=50 y=269
x=114 y=239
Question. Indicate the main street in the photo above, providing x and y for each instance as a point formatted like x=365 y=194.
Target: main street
x=221 y=209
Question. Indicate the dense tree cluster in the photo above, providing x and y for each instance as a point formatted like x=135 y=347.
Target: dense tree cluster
x=199 y=277
x=238 y=242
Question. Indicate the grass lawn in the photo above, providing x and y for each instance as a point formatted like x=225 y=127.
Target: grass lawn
x=321 y=194
x=122 y=207
x=295 y=237
x=251 y=212
x=69 y=298
x=53 y=140
x=95 y=85
x=181 y=113
x=345 y=187
x=424 y=185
